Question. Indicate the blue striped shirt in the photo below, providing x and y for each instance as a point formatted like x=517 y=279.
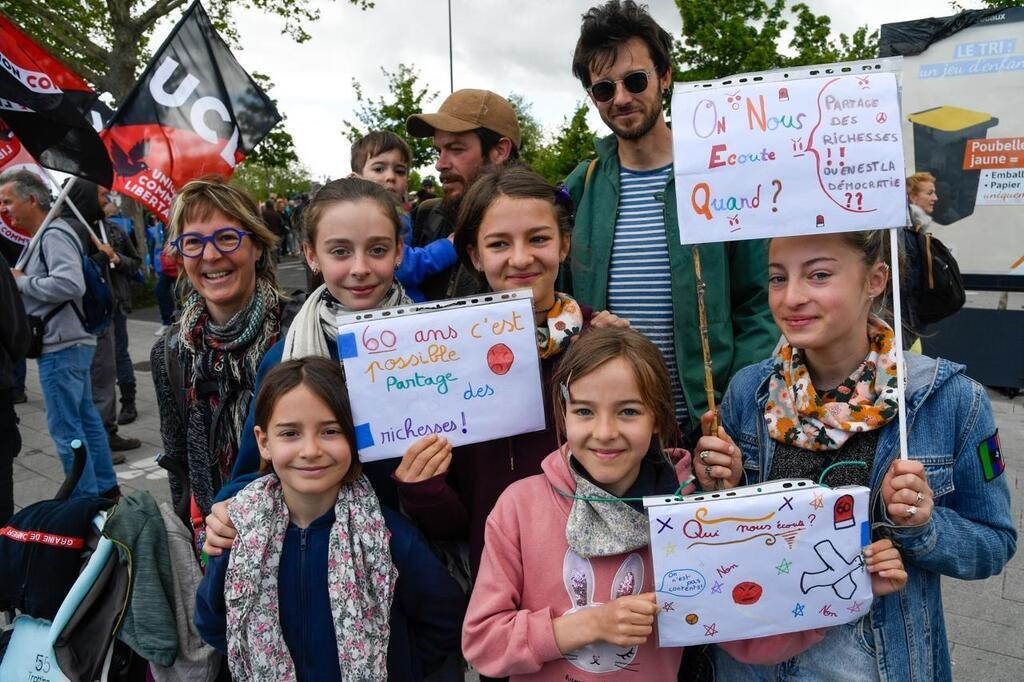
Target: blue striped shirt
x=640 y=279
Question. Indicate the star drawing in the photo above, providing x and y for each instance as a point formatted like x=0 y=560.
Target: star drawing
x=716 y=588
x=855 y=608
x=710 y=630
x=798 y=610
x=817 y=502
x=670 y=548
x=668 y=606
x=784 y=566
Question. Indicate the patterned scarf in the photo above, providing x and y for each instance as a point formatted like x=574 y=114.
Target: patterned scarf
x=360 y=583
x=317 y=321
x=797 y=415
x=565 y=320
x=219 y=366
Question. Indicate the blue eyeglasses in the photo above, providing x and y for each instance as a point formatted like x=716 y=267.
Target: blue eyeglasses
x=225 y=239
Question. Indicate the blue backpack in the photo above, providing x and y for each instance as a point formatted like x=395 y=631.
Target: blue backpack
x=97 y=301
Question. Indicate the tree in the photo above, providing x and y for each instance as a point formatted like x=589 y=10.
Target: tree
x=531 y=131
x=106 y=41
x=405 y=98
x=274 y=158
x=260 y=181
x=573 y=143
x=739 y=36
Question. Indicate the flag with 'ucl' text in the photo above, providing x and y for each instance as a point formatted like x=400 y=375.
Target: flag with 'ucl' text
x=41 y=104
x=194 y=111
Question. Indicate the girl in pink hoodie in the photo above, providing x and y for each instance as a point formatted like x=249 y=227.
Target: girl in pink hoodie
x=565 y=588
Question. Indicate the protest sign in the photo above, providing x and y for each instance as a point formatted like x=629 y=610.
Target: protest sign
x=807 y=151
x=777 y=557
x=466 y=369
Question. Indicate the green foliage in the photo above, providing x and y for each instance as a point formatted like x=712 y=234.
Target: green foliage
x=573 y=143
x=530 y=129
x=260 y=181
x=106 y=41
x=729 y=37
x=277 y=149
x=405 y=97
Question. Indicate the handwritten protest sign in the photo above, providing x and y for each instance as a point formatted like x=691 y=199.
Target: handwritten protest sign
x=779 y=557
x=467 y=372
x=788 y=153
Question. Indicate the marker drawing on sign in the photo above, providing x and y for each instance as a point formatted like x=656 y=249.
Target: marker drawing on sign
x=837 y=572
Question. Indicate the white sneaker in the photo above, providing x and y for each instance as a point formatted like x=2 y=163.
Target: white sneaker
x=161 y=330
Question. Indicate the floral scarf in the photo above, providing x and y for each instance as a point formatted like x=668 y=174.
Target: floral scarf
x=219 y=366
x=565 y=320
x=797 y=415
x=360 y=583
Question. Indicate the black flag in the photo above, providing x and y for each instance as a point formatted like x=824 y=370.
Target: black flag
x=193 y=111
x=41 y=101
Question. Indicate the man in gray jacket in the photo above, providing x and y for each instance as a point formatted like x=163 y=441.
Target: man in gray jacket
x=49 y=276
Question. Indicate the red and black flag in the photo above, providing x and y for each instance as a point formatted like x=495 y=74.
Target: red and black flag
x=193 y=111
x=42 y=101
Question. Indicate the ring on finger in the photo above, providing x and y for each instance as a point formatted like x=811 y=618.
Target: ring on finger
x=911 y=510
x=704 y=456
x=920 y=498
x=707 y=471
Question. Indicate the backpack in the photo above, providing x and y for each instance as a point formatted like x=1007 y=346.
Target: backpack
x=97 y=301
x=940 y=291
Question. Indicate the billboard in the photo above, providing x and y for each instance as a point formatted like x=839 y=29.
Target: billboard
x=963 y=122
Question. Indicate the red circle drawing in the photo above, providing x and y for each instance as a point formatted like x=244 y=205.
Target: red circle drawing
x=500 y=358
x=746 y=593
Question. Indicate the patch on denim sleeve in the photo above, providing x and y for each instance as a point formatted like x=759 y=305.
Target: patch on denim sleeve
x=991 y=457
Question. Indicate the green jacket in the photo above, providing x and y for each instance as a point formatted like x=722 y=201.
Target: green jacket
x=740 y=325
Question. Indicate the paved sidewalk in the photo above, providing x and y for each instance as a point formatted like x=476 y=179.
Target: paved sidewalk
x=985 y=618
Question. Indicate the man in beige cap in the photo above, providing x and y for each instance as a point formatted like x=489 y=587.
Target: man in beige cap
x=472 y=130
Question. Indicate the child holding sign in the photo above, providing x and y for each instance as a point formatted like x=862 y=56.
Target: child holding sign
x=353 y=237
x=513 y=228
x=323 y=583
x=566 y=585
x=825 y=407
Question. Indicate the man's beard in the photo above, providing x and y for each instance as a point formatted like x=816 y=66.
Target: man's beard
x=645 y=126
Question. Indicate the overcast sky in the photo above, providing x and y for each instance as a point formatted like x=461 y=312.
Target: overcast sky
x=522 y=46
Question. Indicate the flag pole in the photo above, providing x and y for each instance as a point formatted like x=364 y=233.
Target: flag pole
x=52 y=213
x=897 y=324
x=705 y=345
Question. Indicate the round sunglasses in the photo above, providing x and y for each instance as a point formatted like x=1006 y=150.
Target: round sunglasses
x=225 y=239
x=635 y=82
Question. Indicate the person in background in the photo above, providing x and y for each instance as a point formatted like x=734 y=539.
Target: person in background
x=274 y=223
x=91 y=201
x=128 y=264
x=383 y=157
x=921 y=199
x=14 y=340
x=284 y=213
x=167 y=275
x=67 y=348
x=473 y=130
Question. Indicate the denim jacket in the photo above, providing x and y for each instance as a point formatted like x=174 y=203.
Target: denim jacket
x=949 y=416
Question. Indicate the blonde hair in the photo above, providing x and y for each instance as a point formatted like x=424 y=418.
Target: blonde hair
x=199 y=198
x=599 y=346
x=915 y=181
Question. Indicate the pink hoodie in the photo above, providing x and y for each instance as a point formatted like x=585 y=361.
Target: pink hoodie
x=508 y=626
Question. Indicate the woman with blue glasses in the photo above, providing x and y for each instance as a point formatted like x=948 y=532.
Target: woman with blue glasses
x=204 y=366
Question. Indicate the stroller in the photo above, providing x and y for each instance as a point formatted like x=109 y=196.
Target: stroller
x=41 y=549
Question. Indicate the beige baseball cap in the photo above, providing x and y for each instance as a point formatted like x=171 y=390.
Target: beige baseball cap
x=466 y=110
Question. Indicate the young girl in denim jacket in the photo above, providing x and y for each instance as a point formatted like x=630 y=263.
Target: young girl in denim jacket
x=322 y=583
x=828 y=397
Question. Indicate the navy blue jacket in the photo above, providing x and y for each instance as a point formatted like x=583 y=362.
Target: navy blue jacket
x=426 y=615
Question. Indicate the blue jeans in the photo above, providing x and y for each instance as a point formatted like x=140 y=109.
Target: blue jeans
x=67 y=396
x=847 y=654
x=125 y=371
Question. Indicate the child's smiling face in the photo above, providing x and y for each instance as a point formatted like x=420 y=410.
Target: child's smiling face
x=608 y=426
x=307 y=448
x=358 y=251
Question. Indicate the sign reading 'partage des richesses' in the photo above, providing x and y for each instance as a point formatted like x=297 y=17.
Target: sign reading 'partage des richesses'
x=465 y=369
x=788 y=153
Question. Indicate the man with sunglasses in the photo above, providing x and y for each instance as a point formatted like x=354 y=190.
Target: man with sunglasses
x=626 y=251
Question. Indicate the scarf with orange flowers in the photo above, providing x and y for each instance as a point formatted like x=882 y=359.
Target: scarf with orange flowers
x=798 y=415
x=564 y=321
